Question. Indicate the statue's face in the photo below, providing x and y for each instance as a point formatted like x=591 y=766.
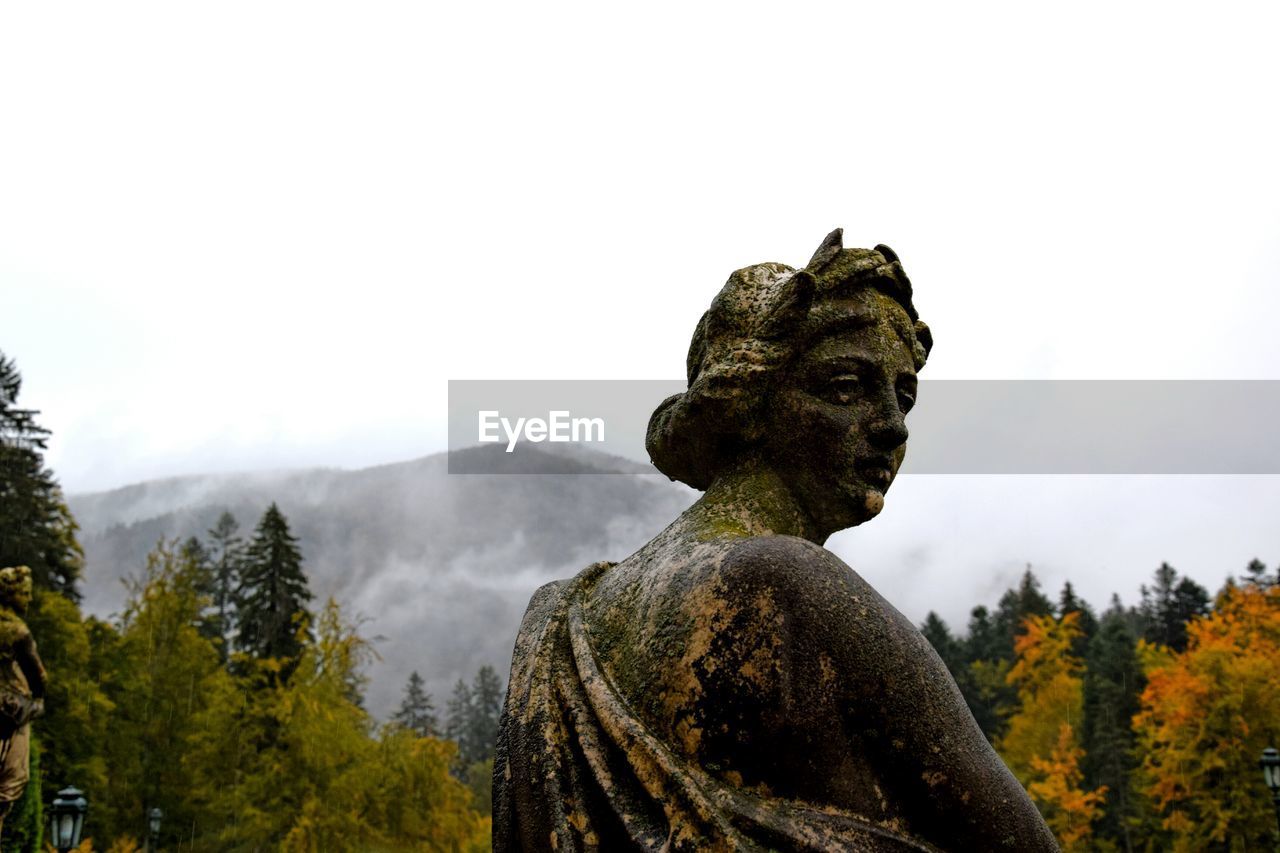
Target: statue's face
x=837 y=429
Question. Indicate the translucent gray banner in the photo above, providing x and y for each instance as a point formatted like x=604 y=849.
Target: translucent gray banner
x=958 y=426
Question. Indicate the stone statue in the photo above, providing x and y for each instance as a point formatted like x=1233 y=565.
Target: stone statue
x=733 y=685
x=22 y=685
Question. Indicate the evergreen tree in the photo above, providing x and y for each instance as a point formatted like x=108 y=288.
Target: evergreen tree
x=457 y=720
x=1256 y=574
x=1169 y=605
x=1069 y=602
x=226 y=554
x=471 y=716
x=989 y=653
x=1014 y=607
x=486 y=707
x=1113 y=683
x=36 y=528
x=981 y=643
x=272 y=598
x=953 y=654
x=194 y=553
x=947 y=647
x=417 y=713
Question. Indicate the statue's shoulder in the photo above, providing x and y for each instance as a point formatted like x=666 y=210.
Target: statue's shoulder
x=551 y=598
x=784 y=560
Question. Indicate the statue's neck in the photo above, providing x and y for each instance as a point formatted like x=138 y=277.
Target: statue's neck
x=751 y=500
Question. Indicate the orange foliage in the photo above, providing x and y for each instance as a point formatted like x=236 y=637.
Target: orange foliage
x=1206 y=715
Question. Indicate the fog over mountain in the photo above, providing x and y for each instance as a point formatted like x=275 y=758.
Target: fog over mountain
x=442 y=565
x=439 y=566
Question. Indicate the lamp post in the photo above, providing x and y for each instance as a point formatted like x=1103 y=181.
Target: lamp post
x=1270 y=764
x=67 y=813
x=153 y=827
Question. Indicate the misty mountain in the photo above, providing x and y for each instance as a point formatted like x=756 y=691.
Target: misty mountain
x=438 y=567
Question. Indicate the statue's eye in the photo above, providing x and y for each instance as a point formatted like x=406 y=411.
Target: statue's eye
x=844 y=389
x=906 y=395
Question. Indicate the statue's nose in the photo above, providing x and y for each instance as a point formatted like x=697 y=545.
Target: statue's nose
x=888 y=432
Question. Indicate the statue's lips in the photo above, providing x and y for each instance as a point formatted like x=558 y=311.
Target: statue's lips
x=877 y=472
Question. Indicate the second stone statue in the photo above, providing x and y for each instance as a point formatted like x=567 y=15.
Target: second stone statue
x=733 y=685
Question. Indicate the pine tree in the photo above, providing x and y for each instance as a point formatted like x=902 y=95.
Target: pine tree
x=986 y=690
x=457 y=721
x=1113 y=682
x=1069 y=602
x=953 y=654
x=486 y=707
x=36 y=528
x=1168 y=606
x=1014 y=607
x=1256 y=574
x=947 y=647
x=226 y=554
x=272 y=597
x=417 y=713
x=981 y=642
x=471 y=716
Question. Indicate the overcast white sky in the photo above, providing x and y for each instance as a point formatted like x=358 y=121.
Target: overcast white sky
x=245 y=235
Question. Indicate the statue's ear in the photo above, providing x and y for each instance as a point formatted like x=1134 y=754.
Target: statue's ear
x=791 y=307
x=889 y=254
x=829 y=249
x=924 y=336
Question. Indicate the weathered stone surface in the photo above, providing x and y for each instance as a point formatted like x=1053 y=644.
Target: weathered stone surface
x=733 y=685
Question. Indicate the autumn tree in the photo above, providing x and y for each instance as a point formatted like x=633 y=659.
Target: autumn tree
x=1041 y=745
x=1206 y=714
x=163 y=673
x=1013 y=609
x=80 y=655
x=297 y=766
x=989 y=653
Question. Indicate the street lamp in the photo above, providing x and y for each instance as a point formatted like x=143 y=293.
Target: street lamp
x=1270 y=764
x=153 y=826
x=67 y=822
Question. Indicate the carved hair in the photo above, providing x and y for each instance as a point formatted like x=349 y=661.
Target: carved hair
x=15 y=585
x=763 y=317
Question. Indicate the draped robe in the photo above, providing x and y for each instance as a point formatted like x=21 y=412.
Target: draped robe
x=577 y=770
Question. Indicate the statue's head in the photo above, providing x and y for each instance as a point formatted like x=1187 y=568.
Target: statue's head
x=809 y=372
x=15 y=588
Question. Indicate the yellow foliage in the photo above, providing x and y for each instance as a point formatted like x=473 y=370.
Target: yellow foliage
x=1050 y=691
x=1069 y=810
x=1040 y=744
x=296 y=764
x=1206 y=715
